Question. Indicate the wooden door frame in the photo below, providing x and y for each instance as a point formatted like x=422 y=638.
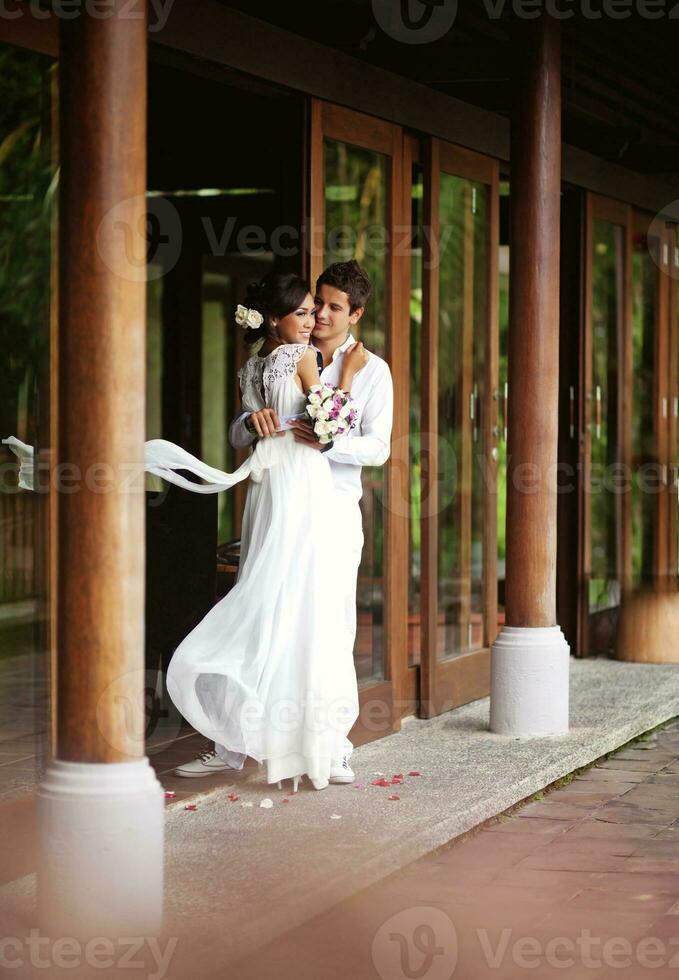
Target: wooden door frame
x=671 y=238
x=617 y=213
x=445 y=684
x=335 y=122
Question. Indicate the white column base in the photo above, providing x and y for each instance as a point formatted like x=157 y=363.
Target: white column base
x=100 y=849
x=529 y=682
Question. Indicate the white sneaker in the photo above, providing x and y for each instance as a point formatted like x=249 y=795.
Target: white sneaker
x=341 y=772
x=206 y=764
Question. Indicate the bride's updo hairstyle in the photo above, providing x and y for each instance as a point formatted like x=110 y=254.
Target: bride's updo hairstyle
x=277 y=295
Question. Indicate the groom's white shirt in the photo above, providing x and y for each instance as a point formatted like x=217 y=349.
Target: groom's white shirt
x=366 y=445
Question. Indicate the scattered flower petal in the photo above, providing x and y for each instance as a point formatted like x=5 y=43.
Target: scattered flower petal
x=170 y=795
x=249 y=803
x=335 y=816
x=381 y=782
x=285 y=801
x=266 y=804
x=414 y=772
x=393 y=797
x=191 y=806
x=233 y=797
x=378 y=774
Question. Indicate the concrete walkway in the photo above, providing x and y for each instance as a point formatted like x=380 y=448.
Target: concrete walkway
x=240 y=875
x=582 y=884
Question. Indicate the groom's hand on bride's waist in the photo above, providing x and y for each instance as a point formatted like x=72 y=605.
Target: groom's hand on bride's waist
x=263 y=423
x=305 y=434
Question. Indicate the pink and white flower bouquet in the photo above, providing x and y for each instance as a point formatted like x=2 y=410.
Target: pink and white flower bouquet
x=332 y=411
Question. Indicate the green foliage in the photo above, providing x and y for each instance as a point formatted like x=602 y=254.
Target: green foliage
x=26 y=194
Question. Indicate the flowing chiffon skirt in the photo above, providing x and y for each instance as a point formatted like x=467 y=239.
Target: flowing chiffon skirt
x=269 y=671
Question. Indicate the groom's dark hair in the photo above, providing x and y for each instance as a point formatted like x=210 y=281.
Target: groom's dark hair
x=351 y=278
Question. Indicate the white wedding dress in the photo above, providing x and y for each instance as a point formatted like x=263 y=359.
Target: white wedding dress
x=269 y=672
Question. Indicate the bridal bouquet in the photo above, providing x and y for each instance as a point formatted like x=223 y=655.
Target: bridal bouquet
x=332 y=412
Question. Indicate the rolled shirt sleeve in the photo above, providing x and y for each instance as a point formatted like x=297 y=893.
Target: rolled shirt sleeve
x=240 y=436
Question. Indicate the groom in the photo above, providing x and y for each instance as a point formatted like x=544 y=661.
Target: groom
x=342 y=292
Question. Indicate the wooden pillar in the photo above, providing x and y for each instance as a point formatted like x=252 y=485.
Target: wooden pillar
x=529 y=666
x=101 y=383
x=100 y=806
x=534 y=326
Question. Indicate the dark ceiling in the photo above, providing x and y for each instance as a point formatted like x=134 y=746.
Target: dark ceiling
x=620 y=76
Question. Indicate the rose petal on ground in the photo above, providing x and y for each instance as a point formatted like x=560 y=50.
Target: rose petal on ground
x=414 y=772
x=335 y=816
x=169 y=795
x=393 y=797
x=249 y=803
x=233 y=797
x=381 y=782
x=266 y=804
x=191 y=806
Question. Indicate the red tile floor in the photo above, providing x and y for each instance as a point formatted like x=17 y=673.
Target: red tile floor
x=581 y=883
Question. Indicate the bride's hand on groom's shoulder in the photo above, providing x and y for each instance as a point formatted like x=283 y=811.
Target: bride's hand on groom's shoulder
x=355 y=359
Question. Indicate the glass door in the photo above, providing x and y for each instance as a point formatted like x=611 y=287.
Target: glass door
x=606 y=444
x=460 y=426
x=356 y=205
x=649 y=406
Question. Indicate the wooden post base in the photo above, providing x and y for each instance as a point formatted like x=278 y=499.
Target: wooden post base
x=648 y=628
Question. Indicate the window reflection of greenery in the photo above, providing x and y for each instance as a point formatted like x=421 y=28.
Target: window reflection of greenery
x=27 y=194
x=606 y=326
x=461 y=202
x=356 y=182
x=644 y=291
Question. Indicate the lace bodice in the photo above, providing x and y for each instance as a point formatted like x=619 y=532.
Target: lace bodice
x=280 y=365
x=268 y=381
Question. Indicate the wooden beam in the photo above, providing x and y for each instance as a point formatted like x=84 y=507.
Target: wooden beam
x=229 y=37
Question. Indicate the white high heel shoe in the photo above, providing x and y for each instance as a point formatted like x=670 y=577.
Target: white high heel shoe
x=295 y=783
x=319 y=783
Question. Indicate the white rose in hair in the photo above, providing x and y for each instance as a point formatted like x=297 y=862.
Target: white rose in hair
x=254 y=319
x=241 y=315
